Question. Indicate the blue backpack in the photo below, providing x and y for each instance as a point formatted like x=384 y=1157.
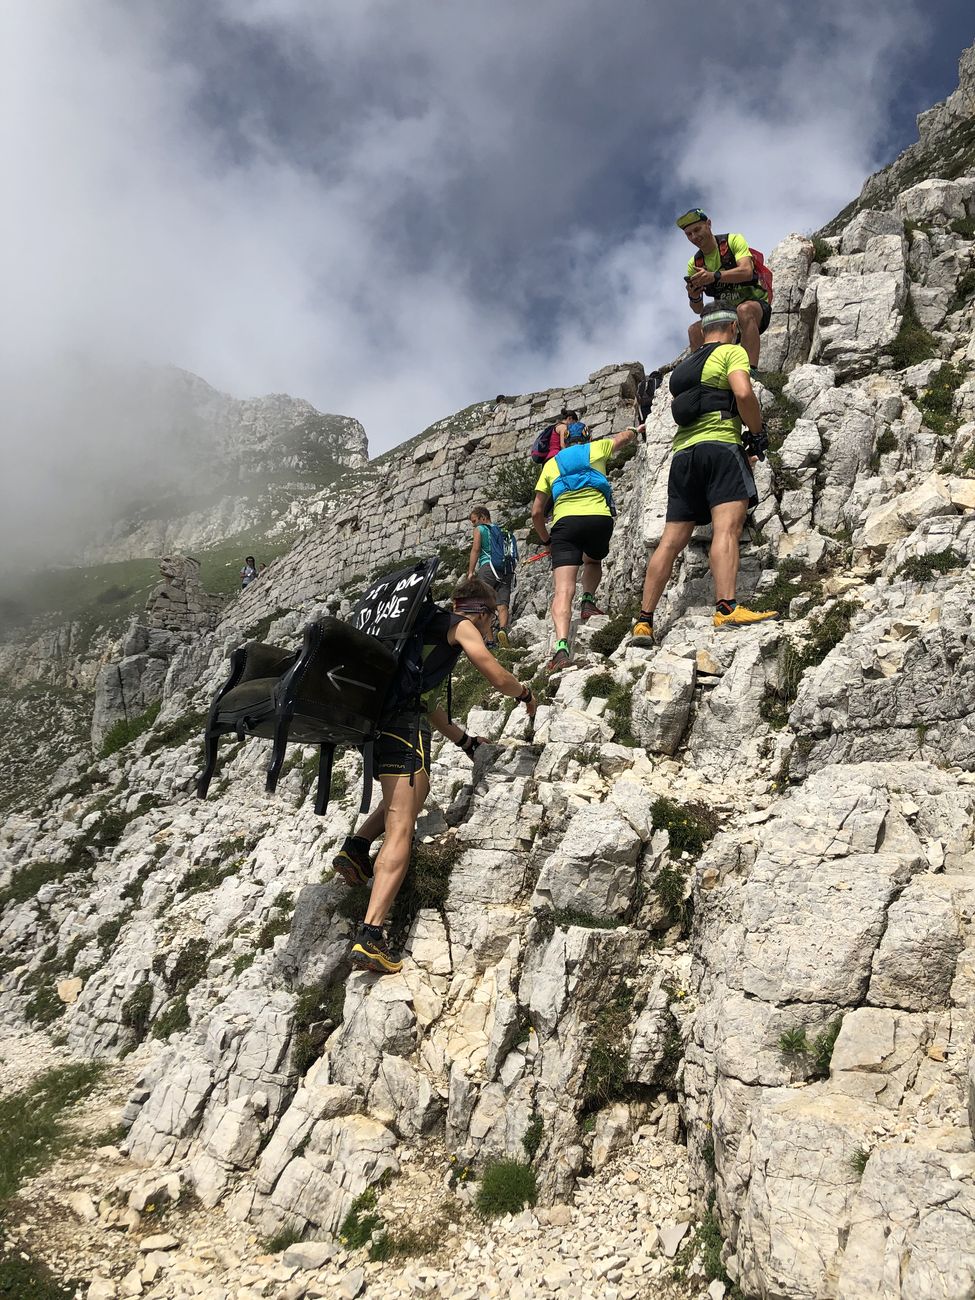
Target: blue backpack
x=576 y=472
x=504 y=551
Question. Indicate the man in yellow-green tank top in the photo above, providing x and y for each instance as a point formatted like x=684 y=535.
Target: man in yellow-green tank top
x=734 y=275
x=711 y=478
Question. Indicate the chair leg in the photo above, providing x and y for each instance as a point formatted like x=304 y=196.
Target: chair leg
x=326 y=754
x=278 y=750
x=367 y=749
x=211 y=740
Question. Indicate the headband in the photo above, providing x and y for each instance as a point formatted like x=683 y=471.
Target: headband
x=472 y=606
x=719 y=318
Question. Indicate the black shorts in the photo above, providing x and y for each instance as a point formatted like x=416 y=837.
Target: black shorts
x=579 y=535
x=705 y=475
x=402 y=747
x=766 y=312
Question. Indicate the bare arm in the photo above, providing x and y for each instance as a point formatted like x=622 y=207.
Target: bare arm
x=748 y=407
x=625 y=436
x=475 y=552
x=539 y=507
x=472 y=644
x=440 y=722
x=741 y=273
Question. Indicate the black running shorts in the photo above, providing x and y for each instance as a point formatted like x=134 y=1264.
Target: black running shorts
x=705 y=475
x=402 y=747
x=579 y=535
x=766 y=312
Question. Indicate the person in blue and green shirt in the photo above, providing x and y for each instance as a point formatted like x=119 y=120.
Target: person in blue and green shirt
x=735 y=286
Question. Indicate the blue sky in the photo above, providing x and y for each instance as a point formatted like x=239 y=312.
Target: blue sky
x=396 y=209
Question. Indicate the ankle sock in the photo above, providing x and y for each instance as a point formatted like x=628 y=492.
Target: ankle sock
x=357 y=842
x=646 y=616
x=726 y=606
x=562 y=645
x=588 y=599
x=373 y=932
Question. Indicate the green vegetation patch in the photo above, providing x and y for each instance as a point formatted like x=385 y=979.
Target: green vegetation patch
x=361 y=1221
x=427 y=883
x=27 y=880
x=513 y=483
x=506 y=1187
x=822 y=249
x=177 y=732
x=561 y=918
x=817 y=1053
x=792 y=579
x=827 y=629
x=532 y=1137
x=604 y=1078
x=689 y=826
x=922 y=568
x=279 y=921
x=913 y=343
x=34 y=1125
x=126 y=730
x=937 y=402
x=609 y=638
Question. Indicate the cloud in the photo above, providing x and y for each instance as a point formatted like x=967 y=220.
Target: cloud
x=393 y=210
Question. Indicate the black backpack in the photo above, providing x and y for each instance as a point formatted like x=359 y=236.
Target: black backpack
x=336 y=690
x=692 y=398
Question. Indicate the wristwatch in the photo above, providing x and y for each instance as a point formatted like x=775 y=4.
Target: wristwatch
x=717 y=276
x=526 y=698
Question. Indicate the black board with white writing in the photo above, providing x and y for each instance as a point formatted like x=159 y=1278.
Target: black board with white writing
x=389 y=606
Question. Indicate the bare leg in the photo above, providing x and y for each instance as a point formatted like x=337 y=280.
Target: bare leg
x=502 y=612
x=592 y=572
x=403 y=803
x=695 y=336
x=565 y=588
x=727 y=522
x=661 y=566
x=374 y=825
x=749 y=319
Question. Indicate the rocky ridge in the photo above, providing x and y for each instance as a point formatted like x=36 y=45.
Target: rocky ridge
x=721 y=893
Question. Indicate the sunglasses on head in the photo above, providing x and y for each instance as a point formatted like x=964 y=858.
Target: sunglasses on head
x=689 y=218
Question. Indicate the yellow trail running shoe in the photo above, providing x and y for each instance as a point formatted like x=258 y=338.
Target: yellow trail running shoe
x=642 y=635
x=374 y=955
x=503 y=638
x=742 y=617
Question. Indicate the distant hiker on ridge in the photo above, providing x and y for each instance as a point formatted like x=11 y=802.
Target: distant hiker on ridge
x=401 y=763
x=726 y=269
x=249 y=572
x=710 y=474
x=494 y=554
x=575 y=481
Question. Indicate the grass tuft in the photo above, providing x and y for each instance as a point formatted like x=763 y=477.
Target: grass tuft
x=922 y=568
x=690 y=826
x=34 y=1126
x=126 y=730
x=913 y=343
x=604 y=1078
x=506 y=1187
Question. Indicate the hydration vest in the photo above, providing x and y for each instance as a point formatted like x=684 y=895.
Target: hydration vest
x=761 y=279
x=576 y=472
x=692 y=398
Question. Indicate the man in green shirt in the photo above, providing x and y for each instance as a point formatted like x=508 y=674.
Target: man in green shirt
x=732 y=284
x=710 y=480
